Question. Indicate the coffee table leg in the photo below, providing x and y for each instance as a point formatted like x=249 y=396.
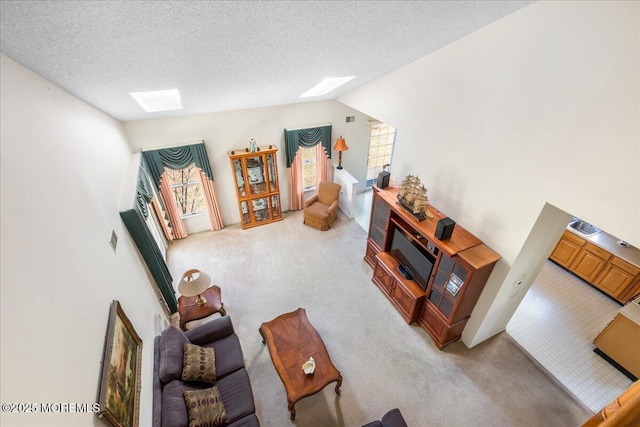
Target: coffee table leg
x=292 y=410
x=338 y=384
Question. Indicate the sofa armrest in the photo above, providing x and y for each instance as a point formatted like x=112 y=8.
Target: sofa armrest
x=211 y=331
x=333 y=207
x=311 y=200
x=156 y=420
x=393 y=418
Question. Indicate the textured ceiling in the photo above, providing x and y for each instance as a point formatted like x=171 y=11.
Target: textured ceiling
x=227 y=55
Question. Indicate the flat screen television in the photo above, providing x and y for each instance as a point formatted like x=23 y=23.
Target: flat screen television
x=413 y=259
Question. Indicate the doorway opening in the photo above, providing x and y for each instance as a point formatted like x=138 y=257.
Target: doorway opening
x=559 y=316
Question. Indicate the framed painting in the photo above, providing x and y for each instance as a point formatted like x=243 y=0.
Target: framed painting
x=121 y=366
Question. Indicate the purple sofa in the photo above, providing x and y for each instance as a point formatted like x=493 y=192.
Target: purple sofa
x=232 y=380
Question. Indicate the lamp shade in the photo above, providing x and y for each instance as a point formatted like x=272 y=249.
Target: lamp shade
x=341 y=144
x=193 y=282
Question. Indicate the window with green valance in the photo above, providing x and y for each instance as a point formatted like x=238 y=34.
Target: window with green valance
x=293 y=139
x=176 y=158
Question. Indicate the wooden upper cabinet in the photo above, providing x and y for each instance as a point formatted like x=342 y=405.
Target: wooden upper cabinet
x=617 y=278
x=590 y=262
x=567 y=249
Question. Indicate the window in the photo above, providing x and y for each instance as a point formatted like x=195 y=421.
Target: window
x=185 y=187
x=308 y=167
x=381 y=143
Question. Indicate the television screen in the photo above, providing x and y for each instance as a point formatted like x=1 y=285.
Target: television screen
x=412 y=258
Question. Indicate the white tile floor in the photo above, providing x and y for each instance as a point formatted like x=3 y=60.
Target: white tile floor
x=556 y=323
x=363 y=209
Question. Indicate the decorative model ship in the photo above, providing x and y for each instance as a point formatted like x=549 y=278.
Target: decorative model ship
x=413 y=197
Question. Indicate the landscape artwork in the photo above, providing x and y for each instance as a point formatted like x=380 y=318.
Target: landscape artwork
x=120 y=382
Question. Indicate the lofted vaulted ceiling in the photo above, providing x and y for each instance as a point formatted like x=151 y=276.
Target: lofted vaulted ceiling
x=227 y=55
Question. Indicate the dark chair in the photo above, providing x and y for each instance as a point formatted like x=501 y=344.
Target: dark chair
x=393 y=418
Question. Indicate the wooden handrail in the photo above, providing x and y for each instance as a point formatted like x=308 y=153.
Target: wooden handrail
x=624 y=411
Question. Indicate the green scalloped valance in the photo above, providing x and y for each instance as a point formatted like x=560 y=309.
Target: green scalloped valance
x=176 y=158
x=293 y=139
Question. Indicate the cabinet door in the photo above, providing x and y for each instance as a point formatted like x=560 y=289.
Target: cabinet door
x=448 y=286
x=256 y=175
x=240 y=177
x=272 y=171
x=383 y=278
x=275 y=206
x=405 y=301
x=260 y=208
x=566 y=250
x=614 y=281
x=588 y=265
x=246 y=216
x=617 y=278
x=379 y=221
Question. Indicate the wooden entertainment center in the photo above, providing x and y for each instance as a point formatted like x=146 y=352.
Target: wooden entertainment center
x=461 y=266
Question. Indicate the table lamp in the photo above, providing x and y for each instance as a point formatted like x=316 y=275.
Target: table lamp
x=194 y=282
x=340 y=146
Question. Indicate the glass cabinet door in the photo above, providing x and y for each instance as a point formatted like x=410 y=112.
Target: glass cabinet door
x=246 y=216
x=255 y=172
x=273 y=173
x=237 y=166
x=261 y=209
x=275 y=206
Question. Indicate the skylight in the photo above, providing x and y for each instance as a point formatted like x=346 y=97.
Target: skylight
x=160 y=100
x=326 y=86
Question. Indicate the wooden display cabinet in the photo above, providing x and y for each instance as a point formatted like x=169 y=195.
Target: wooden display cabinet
x=257 y=189
x=462 y=264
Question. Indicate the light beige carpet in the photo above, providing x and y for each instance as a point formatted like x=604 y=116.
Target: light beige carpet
x=276 y=268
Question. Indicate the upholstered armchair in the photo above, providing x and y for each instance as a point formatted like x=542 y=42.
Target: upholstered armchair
x=320 y=210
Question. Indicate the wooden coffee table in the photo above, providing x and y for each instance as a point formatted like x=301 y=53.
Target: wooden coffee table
x=291 y=340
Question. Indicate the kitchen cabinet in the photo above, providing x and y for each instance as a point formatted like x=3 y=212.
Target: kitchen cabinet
x=607 y=272
x=257 y=189
x=617 y=277
x=590 y=262
x=567 y=249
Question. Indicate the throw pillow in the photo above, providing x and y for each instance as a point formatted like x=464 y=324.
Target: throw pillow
x=171 y=348
x=205 y=407
x=199 y=364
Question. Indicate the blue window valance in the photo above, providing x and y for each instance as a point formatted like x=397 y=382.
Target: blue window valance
x=293 y=139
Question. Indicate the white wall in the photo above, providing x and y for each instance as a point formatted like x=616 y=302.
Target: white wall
x=539 y=107
x=63 y=165
x=222 y=132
